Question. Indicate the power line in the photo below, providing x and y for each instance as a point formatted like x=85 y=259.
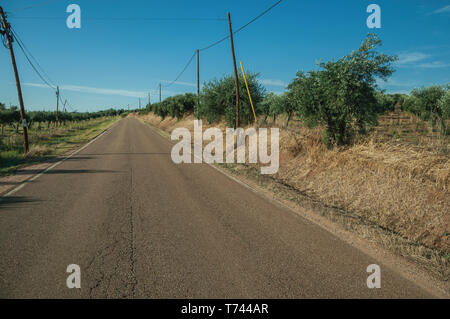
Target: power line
x=67 y=103
x=27 y=52
x=123 y=19
x=61 y=96
x=257 y=17
x=6 y=33
x=225 y=38
x=184 y=69
x=243 y=27
x=43 y=3
x=21 y=45
x=214 y=44
x=19 y=41
x=31 y=63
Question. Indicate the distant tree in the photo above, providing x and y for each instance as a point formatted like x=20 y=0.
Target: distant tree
x=430 y=104
x=10 y=117
x=288 y=106
x=39 y=117
x=264 y=106
x=444 y=109
x=272 y=105
x=181 y=104
x=385 y=102
x=276 y=108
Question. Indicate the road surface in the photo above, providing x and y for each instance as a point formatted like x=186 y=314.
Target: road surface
x=140 y=226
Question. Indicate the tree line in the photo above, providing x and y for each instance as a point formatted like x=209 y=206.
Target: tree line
x=11 y=117
x=341 y=96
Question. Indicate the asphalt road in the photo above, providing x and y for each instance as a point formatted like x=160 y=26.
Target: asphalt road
x=140 y=226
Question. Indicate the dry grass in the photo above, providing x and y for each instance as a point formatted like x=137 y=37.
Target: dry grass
x=46 y=143
x=39 y=151
x=398 y=188
x=401 y=189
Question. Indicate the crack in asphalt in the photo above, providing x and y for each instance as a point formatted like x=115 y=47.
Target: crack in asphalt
x=101 y=255
x=103 y=278
x=132 y=246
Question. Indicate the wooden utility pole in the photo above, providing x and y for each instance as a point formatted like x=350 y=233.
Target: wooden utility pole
x=6 y=32
x=57 y=104
x=235 y=72
x=160 y=100
x=198 y=81
x=139 y=103
x=149 y=104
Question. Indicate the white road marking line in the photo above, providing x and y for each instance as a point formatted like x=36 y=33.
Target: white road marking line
x=18 y=188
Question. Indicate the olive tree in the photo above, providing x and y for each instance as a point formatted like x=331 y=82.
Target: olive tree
x=218 y=99
x=271 y=106
x=444 y=109
x=430 y=104
x=342 y=93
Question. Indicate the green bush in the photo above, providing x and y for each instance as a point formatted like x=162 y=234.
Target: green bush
x=444 y=109
x=218 y=99
x=342 y=94
x=175 y=106
x=430 y=104
x=271 y=106
x=444 y=105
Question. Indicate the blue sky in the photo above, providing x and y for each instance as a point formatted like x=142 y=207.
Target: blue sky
x=111 y=62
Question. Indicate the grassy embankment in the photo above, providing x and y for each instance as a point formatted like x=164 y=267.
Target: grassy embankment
x=47 y=143
x=383 y=188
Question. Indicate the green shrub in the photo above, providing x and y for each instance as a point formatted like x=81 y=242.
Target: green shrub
x=431 y=104
x=342 y=94
x=218 y=99
x=444 y=110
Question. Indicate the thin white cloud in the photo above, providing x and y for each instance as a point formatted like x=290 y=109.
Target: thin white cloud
x=442 y=10
x=38 y=85
x=181 y=83
x=398 y=92
x=392 y=82
x=434 y=65
x=103 y=91
x=411 y=57
x=416 y=60
x=271 y=82
x=86 y=89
